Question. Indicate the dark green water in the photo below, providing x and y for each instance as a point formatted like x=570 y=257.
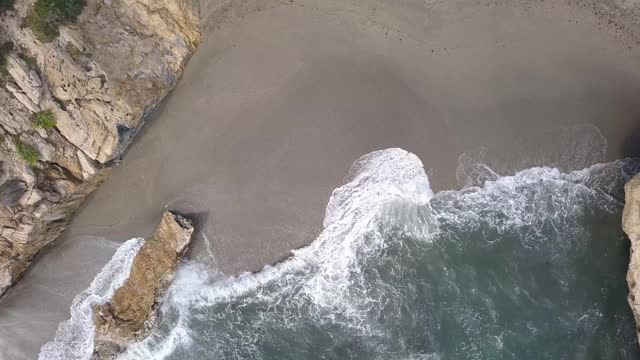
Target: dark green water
x=526 y=267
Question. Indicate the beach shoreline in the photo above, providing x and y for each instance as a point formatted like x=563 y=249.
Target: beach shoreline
x=280 y=99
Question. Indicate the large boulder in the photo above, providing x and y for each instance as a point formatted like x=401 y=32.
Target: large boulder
x=132 y=311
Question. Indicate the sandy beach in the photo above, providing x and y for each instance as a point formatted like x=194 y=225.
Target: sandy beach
x=281 y=98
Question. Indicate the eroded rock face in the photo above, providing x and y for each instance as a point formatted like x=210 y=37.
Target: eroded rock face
x=132 y=310
x=631 y=226
x=100 y=78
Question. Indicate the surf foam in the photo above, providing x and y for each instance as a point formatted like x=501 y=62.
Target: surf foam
x=74 y=337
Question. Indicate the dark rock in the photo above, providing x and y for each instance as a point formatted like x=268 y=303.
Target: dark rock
x=11 y=191
x=132 y=311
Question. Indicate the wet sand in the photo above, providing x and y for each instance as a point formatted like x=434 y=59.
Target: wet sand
x=280 y=99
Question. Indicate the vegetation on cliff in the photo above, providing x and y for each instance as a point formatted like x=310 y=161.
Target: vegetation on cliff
x=27 y=152
x=47 y=15
x=45 y=120
x=5 y=49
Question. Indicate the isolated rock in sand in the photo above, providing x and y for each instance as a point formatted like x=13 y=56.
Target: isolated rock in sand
x=631 y=225
x=132 y=311
x=100 y=78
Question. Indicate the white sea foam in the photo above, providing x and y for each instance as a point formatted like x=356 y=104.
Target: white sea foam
x=323 y=272
x=533 y=201
x=74 y=337
x=377 y=179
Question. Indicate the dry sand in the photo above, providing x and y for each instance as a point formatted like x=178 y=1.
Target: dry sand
x=280 y=99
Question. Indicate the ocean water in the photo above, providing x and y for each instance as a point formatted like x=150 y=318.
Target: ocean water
x=529 y=266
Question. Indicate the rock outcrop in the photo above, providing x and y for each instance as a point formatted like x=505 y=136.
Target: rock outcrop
x=631 y=226
x=132 y=311
x=100 y=78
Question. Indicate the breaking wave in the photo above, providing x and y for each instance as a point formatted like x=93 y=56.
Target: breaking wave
x=527 y=266
x=74 y=337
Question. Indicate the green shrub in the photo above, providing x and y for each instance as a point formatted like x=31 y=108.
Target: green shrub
x=6 y=5
x=45 y=120
x=27 y=152
x=47 y=15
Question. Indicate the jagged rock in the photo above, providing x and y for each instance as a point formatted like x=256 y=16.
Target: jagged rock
x=11 y=191
x=132 y=311
x=31 y=197
x=71 y=36
x=26 y=78
x=87 y=168
x=103 y=73
x=64 y=187
x=22 y=97
x=46 y=150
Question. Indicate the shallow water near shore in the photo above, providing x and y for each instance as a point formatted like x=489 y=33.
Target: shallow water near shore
x=529 y=266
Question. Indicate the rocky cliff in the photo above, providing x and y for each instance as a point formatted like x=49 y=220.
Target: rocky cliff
x=130 y=314
x=631 y=226
x=71 y=101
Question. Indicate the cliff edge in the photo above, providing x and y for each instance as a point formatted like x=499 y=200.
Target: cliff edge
x=631 y=226
x=72 y=96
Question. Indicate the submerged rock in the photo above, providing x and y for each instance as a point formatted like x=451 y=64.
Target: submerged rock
x=631 y=226
x=132 y=311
